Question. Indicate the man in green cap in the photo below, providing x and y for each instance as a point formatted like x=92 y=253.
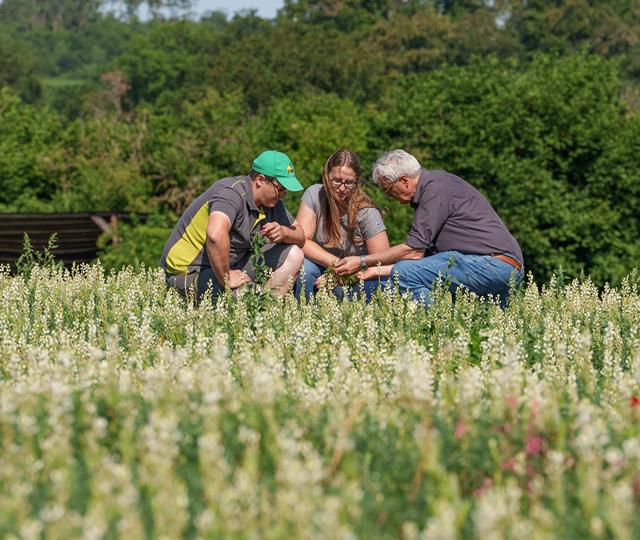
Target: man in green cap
x=210 y=246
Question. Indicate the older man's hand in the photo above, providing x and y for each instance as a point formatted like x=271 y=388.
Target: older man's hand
x=347 y=266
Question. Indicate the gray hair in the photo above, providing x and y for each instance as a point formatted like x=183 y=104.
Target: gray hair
x=394 y=164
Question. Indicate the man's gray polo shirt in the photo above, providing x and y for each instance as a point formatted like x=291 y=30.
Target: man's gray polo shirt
x=452 y=215
x=185 y=250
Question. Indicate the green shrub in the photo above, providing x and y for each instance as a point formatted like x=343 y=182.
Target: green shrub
x=30 y=153
x=548 y=143
x=138 y=244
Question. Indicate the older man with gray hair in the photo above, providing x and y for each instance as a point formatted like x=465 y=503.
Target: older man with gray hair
x=455 y=236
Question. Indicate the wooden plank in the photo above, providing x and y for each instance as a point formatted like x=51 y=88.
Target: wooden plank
x=44 y=236
x=77 y=233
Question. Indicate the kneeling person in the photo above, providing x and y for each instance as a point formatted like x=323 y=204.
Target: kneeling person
x=339 y=219
x=210 y=246
x=456 y=235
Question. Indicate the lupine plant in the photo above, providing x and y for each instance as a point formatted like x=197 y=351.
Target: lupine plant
x=126 y=412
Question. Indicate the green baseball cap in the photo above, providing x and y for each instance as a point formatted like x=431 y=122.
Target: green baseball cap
x=279 y=166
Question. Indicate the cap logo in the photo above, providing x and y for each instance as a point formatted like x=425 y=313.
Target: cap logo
x=290 y=169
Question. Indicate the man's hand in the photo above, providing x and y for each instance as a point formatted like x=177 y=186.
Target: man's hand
x=273 y=231
x=370 y=273
x=238 y=278
x=347 y=266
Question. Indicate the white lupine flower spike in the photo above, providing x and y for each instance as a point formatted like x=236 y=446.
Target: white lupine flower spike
x=126 y=412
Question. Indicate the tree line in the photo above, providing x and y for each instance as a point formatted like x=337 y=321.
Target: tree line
x=534 y=102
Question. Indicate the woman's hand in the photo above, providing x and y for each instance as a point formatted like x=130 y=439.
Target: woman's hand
x=347 y=266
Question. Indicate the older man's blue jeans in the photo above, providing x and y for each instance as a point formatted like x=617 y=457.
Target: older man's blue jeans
x=306 y=284
x=482 y=274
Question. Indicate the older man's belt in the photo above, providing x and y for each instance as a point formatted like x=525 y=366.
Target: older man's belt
x=509 y=260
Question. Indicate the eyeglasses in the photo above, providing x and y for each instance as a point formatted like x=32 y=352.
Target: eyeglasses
x=337 y=182
x=280 y=190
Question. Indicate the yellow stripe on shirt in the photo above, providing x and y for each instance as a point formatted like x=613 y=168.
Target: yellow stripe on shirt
x=260 y=217
x=190 y=244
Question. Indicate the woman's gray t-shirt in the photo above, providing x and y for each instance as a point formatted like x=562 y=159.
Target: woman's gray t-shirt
x=369 y=223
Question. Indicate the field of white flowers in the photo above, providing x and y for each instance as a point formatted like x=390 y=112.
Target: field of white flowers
x=126 y=413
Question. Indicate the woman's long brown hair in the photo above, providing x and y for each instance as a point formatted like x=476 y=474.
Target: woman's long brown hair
x=356 y=201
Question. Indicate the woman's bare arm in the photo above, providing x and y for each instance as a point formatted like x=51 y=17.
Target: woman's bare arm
x=307 y=219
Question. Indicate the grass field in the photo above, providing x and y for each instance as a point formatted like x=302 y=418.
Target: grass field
x=126 y=413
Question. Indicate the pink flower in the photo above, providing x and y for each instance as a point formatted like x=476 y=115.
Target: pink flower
x=535 y=408
x=486 y=484
x=635 y=401
x=636 y=489
x=507 y=427
x=508 y=464
x=535 y=445
x=511 y=401
x=461 y=429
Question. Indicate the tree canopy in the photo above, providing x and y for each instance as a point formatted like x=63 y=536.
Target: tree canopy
x=534 y=102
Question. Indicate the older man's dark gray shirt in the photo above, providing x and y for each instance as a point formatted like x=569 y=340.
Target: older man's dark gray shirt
x=452 y=215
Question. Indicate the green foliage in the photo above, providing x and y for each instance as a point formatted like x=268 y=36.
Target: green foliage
x=309 y=128
x=52 y=15
x=332 y=279
x=613 y=182
x=184 y=151
x=31 y=258
x=18 y=68
x=257 y=260
x=600 y=26
x=533 y=139
x=104 y=111
x=103 y=166
x=84 y=166
x=263 y=64
x=30 y=152
x=60 y=15
x=257 y=295
x=168 y=62
x=136 y=244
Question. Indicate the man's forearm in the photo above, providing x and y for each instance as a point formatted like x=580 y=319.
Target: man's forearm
x=392 y=255
x=379 y=271
x=218 y=252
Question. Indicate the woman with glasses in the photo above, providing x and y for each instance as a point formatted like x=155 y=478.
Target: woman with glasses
x=339 y=219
